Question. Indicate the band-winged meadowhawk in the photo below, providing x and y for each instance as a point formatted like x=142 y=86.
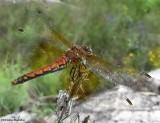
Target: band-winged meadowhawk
x=83 y=66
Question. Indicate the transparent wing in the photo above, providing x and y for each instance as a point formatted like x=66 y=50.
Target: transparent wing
x=44 y=23
x=56 y=35
x=45 y=43
x=116 y=74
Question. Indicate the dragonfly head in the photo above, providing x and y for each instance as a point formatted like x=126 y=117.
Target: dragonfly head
x=77 y=52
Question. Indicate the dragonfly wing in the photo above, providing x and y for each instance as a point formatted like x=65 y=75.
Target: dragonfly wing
x=41 y=35
x=116 y=74
x=56 y=35
x=40 y=51
x=44 y=54
x=44 y=22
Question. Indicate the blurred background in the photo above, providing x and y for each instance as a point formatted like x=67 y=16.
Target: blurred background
x=125 y=31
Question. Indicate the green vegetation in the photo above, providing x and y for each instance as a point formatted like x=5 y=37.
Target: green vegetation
x=125 y=31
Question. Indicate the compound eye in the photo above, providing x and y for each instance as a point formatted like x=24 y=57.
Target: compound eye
x=87 y=49
x=90 y=50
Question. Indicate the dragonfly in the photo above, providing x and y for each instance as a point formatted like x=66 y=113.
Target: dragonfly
x=82 y=67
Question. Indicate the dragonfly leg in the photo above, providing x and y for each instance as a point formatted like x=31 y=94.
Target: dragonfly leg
x=78 y=75
x=72 y=72
x=75 y=73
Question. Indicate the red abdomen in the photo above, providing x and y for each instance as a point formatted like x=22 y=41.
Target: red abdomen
x=60 y=64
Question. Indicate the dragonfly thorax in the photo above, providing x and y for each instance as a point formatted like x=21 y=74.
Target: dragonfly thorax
x=78 y=53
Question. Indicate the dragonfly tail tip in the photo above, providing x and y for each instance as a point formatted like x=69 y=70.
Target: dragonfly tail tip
x=147 y=75
x=14 y=82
